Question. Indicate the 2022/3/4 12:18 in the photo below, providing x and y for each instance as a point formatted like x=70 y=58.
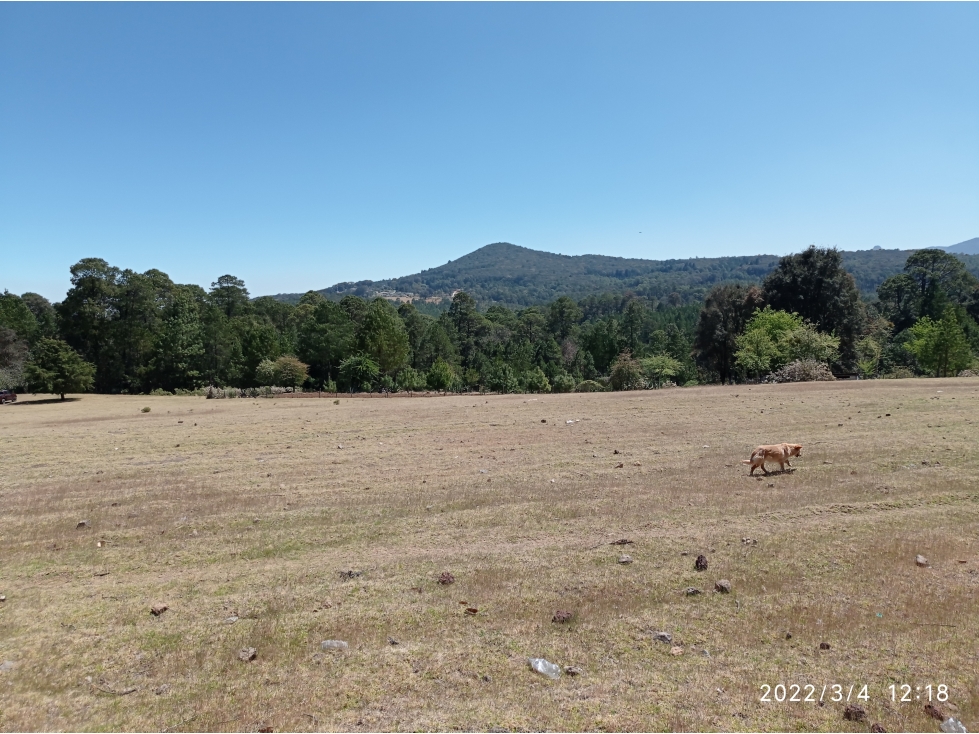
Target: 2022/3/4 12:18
x=836 y=692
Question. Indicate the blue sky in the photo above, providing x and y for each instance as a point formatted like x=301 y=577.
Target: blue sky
x=298 y=145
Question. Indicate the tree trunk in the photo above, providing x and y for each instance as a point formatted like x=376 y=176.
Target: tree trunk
x=62 y=396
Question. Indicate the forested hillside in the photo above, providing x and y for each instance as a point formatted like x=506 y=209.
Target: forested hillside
x=513 y=276
x=119 y=331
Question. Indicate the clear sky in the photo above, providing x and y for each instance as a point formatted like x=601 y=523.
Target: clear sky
x=298 y=145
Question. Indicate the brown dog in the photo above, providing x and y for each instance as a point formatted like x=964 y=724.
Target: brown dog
x=779 y=452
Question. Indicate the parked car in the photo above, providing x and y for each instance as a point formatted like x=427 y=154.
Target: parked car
x=7 y=396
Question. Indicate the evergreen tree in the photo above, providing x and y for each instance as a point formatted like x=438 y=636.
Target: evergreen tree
x=57 y=368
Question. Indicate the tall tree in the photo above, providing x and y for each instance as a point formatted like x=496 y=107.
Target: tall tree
x=229 y=294
x=815 y=285
x=722 y=319
x=382 y=336
x=57 y=368
x=87 y=314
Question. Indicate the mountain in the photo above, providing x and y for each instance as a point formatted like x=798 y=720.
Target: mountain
x=969 y=247
x=515 y=276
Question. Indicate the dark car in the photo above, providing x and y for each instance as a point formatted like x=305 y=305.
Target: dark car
x=7 y=396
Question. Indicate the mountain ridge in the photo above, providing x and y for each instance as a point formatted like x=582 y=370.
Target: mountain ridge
x=502 y=273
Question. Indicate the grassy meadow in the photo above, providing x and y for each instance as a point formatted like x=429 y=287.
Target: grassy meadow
x=254 y=509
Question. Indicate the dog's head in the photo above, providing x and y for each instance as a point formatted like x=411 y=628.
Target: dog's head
x=795 y=449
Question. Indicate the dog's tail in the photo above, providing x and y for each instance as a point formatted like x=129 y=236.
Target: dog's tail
x=745 y=461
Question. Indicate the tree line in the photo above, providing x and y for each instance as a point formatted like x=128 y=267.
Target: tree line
x=119 y=331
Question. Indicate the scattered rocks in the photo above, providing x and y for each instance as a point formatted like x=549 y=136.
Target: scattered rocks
x=160 y=690
x=676 y=651
x=572 y=671
x=934 y=712
x=625 y=559
x=701 y=563
x=664 y=637
x=334 y=645
x=562 y=617
x=83 y=524
x=877 y=729
x=824 y=646
x=2 y=598
x=7 y=665
x=348 y=575
x=691 y=591
x=472 y=610
x=231 y=620
x=445 y=578
x=157 y=609
x=920 y=561
x=749 y=541
x=854 y=713
x=247 y=654
x=637 y=464
x=620 y=465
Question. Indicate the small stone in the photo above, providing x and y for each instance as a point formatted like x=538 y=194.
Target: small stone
x=722 y=586
x=701 y=563
x=562 y=617
x=665 y=637
x=620 y=465
x=625 y=559
x=691 y=591
x=824 y=646
x=472 y=610
x=623 y=541
x=827 y=462
x=2 y=598
x=877 y=729
x=7 y=665
x=82 y=524
x=160 y=690
x=788 y=635
x=334 y=645
x=231 y=620
x=347 y=575
x=920 y=560
x=247 y=654
x=543 y=420
x=676 y=651
x=392 y=641
x=854 y=713
x=637 y=464
x=445 y=578
x=934 y=712
x=615 y=451
x=572 y=671
x=157 y=609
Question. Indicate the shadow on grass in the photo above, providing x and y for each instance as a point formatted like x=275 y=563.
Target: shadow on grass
x=44 y=401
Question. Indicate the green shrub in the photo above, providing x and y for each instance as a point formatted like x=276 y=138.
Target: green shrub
x=589 y=386
x=145 y=410
x=562 y=383
x=160 y=391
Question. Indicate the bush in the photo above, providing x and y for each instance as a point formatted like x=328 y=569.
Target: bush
x=160 y=391
x=691 y=383
x=145 y=410
x=410 y=380
x=968 y=373
x=536 y=381
x=562 y=383
x=440 y=375
x=627 y=374
x=802 y=370
x=589 y=386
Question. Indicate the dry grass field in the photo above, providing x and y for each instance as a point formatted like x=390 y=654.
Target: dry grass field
x=251 y=509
